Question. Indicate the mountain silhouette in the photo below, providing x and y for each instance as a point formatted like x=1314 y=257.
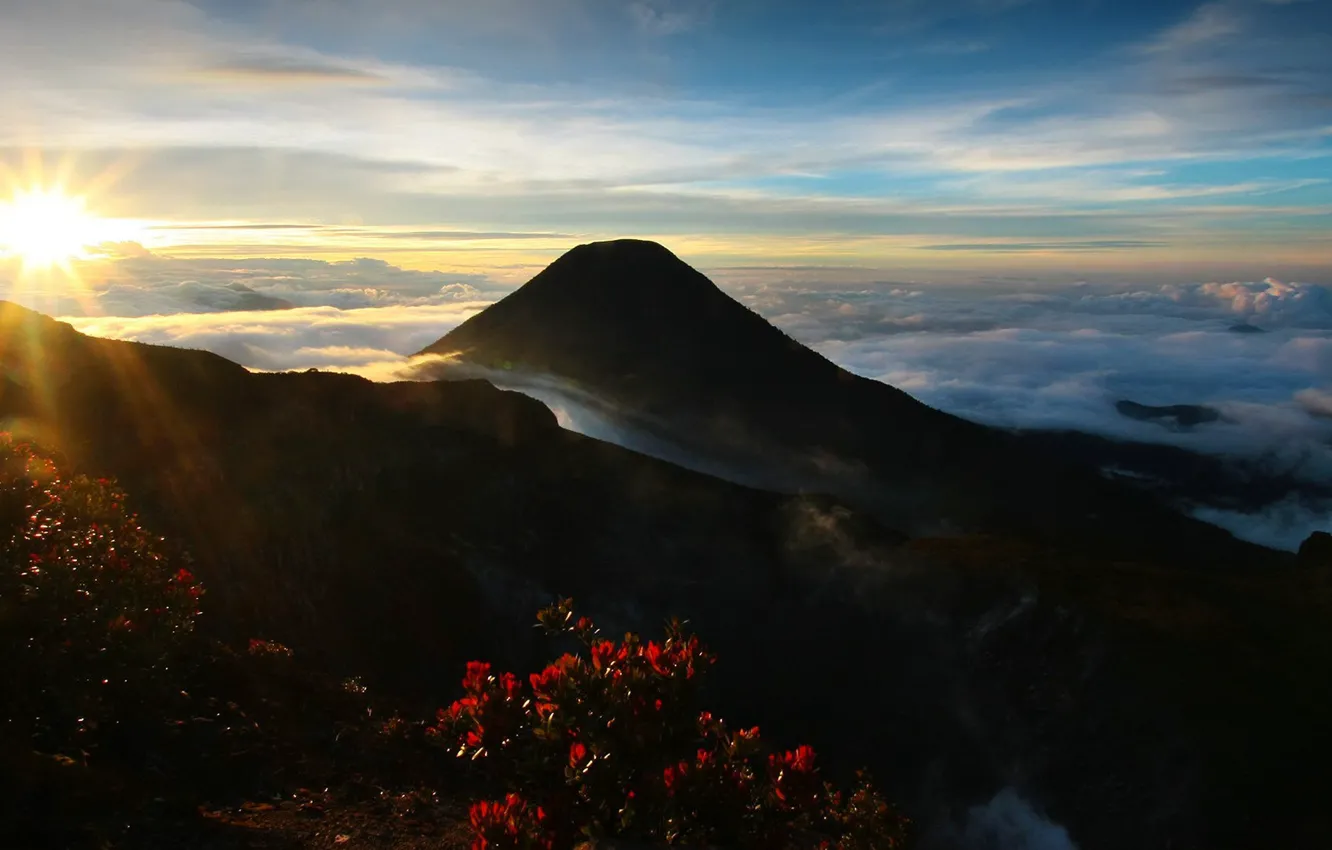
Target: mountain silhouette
x=393 y=531
x=656 y=341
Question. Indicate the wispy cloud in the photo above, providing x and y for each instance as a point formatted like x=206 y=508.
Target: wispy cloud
x=1047 y=247
x=669 y=17
x=207 y=117
x=1208 y=24
x=278 y=70
x=360 y=339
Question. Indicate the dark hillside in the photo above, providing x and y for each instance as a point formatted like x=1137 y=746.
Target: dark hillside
x=395 y=531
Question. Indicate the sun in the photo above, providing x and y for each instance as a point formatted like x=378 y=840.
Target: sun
x=45 y=227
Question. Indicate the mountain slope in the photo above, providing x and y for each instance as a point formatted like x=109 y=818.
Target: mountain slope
x=316 y=499
x=394 y=531
x=631 y=323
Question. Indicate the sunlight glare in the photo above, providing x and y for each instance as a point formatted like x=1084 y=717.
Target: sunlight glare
x=44 y=227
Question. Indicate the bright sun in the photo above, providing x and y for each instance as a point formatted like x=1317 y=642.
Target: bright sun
x=45 y=227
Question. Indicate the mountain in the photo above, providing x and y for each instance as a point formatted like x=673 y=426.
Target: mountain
x=1176 y=416
x=1246 y=328
x=673 y=356
x=396 y=530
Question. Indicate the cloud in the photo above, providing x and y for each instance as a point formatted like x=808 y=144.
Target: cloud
x=1008 y=822
x=1207 y=24
x=366 y=340
x=659 y=18
x=1047 y=357
x=1318 y=402
x=1046 y=247
x=132 y=282
x=1268 y=302
x=1283 y=525
x=287 y=70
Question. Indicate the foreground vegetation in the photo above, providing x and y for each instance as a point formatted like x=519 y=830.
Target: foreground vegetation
x=613 y=743
x=124 y=726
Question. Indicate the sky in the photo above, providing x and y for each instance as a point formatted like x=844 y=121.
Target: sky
x=943 y=136
x=1019 y=211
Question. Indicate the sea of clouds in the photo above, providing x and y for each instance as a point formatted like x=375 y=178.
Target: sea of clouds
x=1022 y=355
x=1004 y=351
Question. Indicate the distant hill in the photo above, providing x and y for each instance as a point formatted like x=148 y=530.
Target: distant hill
x=1246 y=328
x=631 y=323
x=1180 y=416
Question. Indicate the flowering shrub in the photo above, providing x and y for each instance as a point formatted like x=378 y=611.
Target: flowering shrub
x=510 y=822
x=91 y=609
x=611 y=742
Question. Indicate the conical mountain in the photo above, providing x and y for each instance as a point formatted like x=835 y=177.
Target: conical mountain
x=631 y=317
x=670 y=352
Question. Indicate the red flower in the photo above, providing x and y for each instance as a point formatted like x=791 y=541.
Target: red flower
x=802 y=760
x=795 y=782
x=671 y=776
x=478 y=672
x=603 y=652
x=466 y=705
x=656 y=658
x=577 y=753
x=511 y=686
x=545 y=682
x=509 y=823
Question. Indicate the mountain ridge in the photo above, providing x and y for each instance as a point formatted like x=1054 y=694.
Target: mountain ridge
x=713 y=375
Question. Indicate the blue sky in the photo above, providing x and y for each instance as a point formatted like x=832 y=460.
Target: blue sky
x=1196 y=136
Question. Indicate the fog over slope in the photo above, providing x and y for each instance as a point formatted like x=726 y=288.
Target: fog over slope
x=1008 y=352
x=1260 y=353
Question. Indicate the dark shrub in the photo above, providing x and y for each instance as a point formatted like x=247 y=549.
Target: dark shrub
x=92 y=611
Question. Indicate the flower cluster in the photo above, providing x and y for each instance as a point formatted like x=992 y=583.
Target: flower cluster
x=488 y=717
x=509 y=824
x=610 y=742
x=95 y=607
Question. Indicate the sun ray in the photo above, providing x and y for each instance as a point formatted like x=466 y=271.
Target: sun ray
x=53 y=242
x=44 y=227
